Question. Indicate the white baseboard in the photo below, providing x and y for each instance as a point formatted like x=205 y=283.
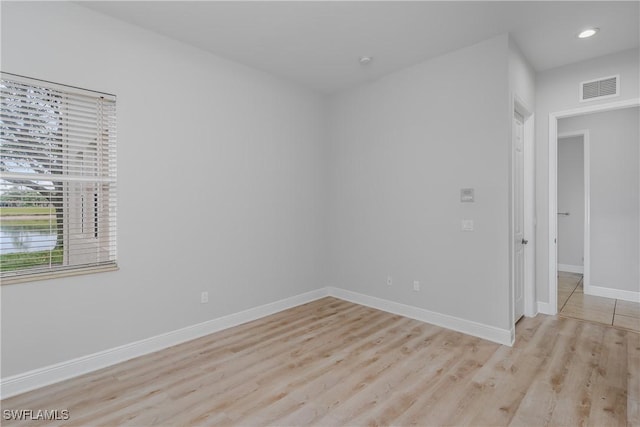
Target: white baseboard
x=491 y=333
x=47 y=375
x=41 y=377
x=571 y=268
x=546 y=308
x=600 y=291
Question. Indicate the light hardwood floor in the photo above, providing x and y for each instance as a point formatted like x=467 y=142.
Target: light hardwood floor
x=333 y=363
x=572 y=302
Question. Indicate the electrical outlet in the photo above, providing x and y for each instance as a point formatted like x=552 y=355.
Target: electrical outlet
x=416 y=285
x=204 y=297
x=389 y=281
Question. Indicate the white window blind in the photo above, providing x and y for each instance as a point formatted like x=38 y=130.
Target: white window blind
x=57 y=180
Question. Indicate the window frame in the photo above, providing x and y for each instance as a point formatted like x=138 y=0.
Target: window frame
x=101 y=218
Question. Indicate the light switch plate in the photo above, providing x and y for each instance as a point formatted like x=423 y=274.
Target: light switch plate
x=467 y=225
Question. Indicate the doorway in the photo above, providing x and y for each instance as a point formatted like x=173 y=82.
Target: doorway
x=574 y=189
x=573 y=220
x=556 y=207
x=522 y=212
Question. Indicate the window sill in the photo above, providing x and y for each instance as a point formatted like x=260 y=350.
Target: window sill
x=57 y=275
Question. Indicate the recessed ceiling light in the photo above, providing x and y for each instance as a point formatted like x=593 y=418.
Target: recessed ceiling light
x=364 y=60
x=589 y=32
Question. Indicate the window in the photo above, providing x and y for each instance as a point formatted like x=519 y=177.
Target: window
x=57 y=180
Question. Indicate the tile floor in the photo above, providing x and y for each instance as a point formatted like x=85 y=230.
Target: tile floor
x=572 y=302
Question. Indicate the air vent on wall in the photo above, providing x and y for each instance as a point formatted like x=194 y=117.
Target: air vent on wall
x=604 y=87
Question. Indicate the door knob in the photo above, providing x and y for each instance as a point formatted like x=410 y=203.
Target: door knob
x=525 y=241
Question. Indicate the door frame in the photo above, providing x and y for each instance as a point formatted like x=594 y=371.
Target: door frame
x=552 y=279
x=520 y=107
x=586 y=233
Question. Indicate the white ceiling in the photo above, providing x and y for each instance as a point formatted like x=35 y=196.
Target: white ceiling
x=318 y=43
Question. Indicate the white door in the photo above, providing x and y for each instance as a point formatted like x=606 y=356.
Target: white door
x=518 y=215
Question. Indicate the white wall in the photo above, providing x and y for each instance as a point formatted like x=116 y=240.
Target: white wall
x=401 y=150
x=615 y=195
x=220 y=187
x=571 y=200
x=521 y=77
x=557 y=90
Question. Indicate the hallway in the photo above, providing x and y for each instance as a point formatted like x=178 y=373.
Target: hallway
x=573 y=303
